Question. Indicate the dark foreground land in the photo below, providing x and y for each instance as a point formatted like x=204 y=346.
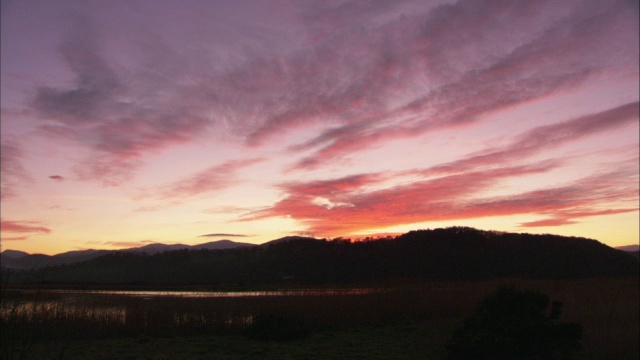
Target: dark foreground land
x=413 y=320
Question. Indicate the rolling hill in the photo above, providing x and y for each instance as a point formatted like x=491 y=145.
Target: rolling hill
x=442 y=254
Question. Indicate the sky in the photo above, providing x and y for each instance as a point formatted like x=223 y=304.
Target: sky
x=132 y=122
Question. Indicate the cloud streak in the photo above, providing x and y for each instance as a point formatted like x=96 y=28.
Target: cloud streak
x=12 y=170
x=563 y=54
x=566 y=217
x=21 y=227
x=222 y=235
x=545 y=138
x=212 y=179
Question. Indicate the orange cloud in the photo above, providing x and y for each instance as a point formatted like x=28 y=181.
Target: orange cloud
x=349 y=208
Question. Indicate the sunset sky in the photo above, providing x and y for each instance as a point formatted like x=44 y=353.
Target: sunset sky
x=138 y=121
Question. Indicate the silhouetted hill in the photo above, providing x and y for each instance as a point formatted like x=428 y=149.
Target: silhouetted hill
x=287 y=239
x=441 y=254
x=221 y=245
x=32 y=261
x=13 y=254
x=629 y=248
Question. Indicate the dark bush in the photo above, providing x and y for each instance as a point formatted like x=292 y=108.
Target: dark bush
x=515 y=324
x=279 y=328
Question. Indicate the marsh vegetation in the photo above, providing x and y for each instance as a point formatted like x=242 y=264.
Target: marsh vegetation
x=409 y=320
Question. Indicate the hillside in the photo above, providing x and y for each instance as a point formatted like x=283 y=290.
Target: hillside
x=442 y=254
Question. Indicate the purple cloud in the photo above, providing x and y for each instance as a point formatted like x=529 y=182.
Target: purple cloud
x=544 y=138
x=387 y=73
x=565 y=49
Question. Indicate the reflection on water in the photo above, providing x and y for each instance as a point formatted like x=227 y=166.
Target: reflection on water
x=61 y=310
x=147 y=309
x=221 y=294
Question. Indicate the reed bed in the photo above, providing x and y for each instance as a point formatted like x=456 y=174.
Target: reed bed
x=608 y=310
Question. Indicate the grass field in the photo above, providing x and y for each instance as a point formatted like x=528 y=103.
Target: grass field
x=408 y=321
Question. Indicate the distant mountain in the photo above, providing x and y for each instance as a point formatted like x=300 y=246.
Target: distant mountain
x=157 y=248
x=456 y=253
x=629 y=248
x=222 y=245
x=288 y=239
x=13 y=254
x=13 y=259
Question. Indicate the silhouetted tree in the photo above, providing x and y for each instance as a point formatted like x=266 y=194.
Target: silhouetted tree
x=514 y=324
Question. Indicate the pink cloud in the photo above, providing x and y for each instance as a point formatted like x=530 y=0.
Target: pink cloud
x=450 y=197
x=12 y=170
x=330 y=188
x=566 y=217
x=387 y=73
x=547 y=137
x=214 y=178
x=108 y=169
x=23 y=227
x=464 y=88
x=355 y=209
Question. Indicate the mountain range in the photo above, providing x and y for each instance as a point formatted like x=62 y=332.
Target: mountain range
x=456 y=253
x=12 y=259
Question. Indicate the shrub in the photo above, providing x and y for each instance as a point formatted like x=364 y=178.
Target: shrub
x=514 y=324
x=279 y=328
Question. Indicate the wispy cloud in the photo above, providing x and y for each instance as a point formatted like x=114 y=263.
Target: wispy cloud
x=12 y=170
x=390 y=73
x=545 y=138
x=223 y=235
x=214 y=178
x=567 y=217
x=565 y=50
x=226 y=209
x=117 y=118
x=30 y=227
